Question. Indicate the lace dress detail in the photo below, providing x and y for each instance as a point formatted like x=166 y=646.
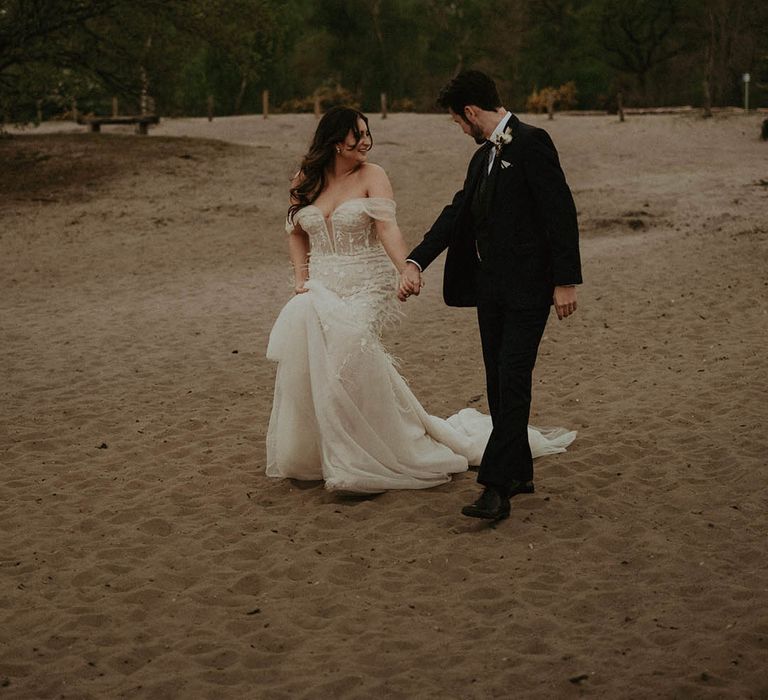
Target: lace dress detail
x=341 y=411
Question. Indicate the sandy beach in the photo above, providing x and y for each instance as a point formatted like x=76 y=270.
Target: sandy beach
x=143 y=552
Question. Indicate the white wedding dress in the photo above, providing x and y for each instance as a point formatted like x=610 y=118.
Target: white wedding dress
x=342 y=412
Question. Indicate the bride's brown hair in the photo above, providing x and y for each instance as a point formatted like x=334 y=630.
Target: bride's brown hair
x=333 y=128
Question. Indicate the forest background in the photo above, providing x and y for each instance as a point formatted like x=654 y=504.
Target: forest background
x=185 y=55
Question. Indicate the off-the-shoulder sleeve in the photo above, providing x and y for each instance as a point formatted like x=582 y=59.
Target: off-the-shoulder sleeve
x=380 y=208
x=290 y=224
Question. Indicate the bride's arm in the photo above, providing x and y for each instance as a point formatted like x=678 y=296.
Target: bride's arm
x=393 y=243
x=388 y=231
x=298 y=250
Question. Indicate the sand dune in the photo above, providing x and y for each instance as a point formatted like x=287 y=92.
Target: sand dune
x=144 y=554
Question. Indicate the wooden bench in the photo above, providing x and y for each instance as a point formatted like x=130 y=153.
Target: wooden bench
x=142 y=122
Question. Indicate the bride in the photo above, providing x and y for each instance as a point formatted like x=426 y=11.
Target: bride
x=341 y=411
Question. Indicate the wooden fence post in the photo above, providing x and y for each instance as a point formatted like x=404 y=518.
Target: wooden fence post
x=209 y=107
x=39 y=114
x=707 y=111
x=383 y=105
x=115 y=107
x=550 y=105
x=317 y=107
x=144 y=92
x=620 y=101
x=74 y=109
x=265 y=103
x=144 y=77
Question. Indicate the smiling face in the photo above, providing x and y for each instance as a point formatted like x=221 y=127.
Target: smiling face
x=353 y=151
x=468 y=125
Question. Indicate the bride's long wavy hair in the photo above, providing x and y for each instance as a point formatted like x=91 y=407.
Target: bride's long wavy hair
x=333 y=128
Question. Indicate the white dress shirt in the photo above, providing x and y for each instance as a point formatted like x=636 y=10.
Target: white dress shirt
x=498 y=131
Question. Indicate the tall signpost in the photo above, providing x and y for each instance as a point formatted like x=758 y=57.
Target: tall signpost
x=746 y=78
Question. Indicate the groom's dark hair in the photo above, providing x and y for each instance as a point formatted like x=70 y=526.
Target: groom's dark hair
x=471 y=87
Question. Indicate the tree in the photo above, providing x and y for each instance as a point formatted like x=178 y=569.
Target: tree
x=182 y=51
x=127 y=47
x=244 y=33
x=558 y=47
x=734 y=35
x=638 y=36
x=36 y=50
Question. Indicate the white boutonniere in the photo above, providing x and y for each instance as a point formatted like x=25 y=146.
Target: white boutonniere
x=502 y=140
x=505 y=164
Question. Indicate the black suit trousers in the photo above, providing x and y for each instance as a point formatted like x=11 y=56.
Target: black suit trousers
x=510 y=338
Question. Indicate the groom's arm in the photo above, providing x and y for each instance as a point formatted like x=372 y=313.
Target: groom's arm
x=555 y=205
x=435 y=241
x=438 y=237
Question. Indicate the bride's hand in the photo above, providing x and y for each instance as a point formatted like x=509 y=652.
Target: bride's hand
x=409 y=286
x=300 y=289
x=411 y=280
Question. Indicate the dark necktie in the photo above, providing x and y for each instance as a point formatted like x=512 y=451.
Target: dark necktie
x=482 y=185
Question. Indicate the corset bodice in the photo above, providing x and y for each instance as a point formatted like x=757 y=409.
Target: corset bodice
x=349 y=230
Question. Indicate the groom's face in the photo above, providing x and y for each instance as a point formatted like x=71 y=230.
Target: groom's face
x=469 y=128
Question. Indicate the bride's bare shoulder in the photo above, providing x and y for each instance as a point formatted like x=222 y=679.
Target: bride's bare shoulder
x=373 y=170
x=376 y=180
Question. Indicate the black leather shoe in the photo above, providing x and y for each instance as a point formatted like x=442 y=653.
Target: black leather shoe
x=493 y=504
x=517 y=487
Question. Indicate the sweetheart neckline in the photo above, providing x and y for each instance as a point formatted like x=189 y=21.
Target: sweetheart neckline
x=346 y=201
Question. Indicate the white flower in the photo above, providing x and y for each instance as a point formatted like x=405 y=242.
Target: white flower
x=502 y=140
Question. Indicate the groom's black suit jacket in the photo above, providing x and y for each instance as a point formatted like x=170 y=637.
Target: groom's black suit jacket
x=525 y=226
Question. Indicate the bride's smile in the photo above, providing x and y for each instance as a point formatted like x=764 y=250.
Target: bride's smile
x=354 y=149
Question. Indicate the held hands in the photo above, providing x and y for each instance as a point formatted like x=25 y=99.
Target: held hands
x=565 y=301
x=410 y=282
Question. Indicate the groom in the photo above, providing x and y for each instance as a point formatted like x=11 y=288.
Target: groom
x=513 y=250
